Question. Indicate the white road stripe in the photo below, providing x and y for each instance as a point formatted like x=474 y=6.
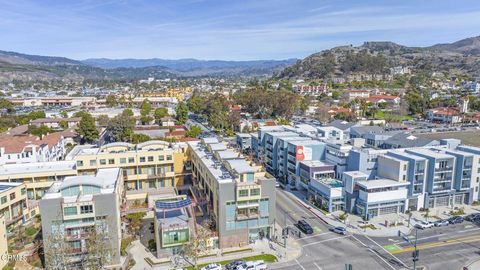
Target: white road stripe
x=303 y=268
x=315 y=235
x=317 y=266
x=386 y=251
x=374 y=253
x=326 y=240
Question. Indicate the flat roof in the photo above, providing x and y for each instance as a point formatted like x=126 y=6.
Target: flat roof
x=316 y=163
x=379 y=183
x=405 y=154
x=240 y=165
x=37 y=167
x=356 y=174
x=215 y=167
x=218 y=146
x=228 y=154
x=429 y=152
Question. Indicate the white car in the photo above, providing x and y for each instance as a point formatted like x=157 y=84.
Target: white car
x=212 y=266
x=424 y=225
x=253 y=265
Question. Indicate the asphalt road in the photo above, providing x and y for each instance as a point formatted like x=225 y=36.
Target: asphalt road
x=444 y=248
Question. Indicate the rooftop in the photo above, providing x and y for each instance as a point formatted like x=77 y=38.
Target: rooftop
x=37 y=167
x=380 y=183
x=8 y=185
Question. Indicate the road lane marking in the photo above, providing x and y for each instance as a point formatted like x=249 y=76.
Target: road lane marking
x=326 y=240
x=386 y=250
x=317 y=266
x=371 y=250
x=412 y=237
x=315 y=235
x=303 y=268
x=449 y=242
x=391 y=248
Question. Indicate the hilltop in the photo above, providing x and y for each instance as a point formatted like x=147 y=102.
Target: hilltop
x=375 y=59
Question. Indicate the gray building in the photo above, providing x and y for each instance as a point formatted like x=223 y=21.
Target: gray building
x=239 y=195
x=81 y=221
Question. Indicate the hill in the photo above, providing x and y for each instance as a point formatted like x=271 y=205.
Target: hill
x=375 y=59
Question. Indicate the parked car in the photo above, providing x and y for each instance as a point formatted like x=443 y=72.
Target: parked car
x=339 y=230
x=472 y=217
x=455 y=220
x=440 y=223
x=212 y=266
x=424 y=225
x=252 y=265
x=233 y=265
x=304 y=227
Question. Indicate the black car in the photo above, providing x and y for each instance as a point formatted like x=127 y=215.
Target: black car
x=472 y=217
x=455 y=220
x=304 y=227
x=233 y=265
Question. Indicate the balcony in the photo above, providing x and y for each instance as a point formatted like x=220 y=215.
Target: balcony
x=443 y=169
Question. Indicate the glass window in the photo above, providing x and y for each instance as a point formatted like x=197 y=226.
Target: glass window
x=4 y=199
x=123 y=160
x=23 y=191
x=254 y=192
x=103 y=162
x=169 y=157
x=243 y=193
x=131 y=160
x=150 y=158
x=69 y=211
x=111 y=161
x=86 y=209
x=79 y=163
x=161 y=158
x=93 y=162
x=12 y=196
x=142 y=159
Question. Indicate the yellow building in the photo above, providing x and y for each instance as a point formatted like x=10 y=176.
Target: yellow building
x=37 y=176
x=146 y=166
x=13 y=203
x=3 y=243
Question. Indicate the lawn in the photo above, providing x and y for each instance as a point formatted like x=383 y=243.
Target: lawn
x=267 y=258
x=467 y=137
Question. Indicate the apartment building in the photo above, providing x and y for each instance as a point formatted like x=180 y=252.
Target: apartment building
x=38 y=177
x=239 y=196
x=13 y=203
x=299 y=151
x=28 y=148
x=80 y=217
x=149 y=165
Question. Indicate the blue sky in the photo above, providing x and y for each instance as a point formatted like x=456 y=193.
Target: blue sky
x=226 y=29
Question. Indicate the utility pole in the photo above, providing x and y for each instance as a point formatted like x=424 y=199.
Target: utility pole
x=416 y=252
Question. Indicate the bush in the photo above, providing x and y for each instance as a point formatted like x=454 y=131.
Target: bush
x=31 y=231
x=123 y=246
x=152 y=246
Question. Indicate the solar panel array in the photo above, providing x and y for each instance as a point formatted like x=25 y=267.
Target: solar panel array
x=173 y=205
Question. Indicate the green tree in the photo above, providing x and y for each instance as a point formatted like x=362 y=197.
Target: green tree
x=194 y=131
x=196 y=104
x=139 y=138
x=6 y=105
x=87 y=128
x=127 y=112
x=111 y=101
x=160 y=113
x=63 y=124
x=182 y=112
x=121 y=127
x=39 y=131
x=102 y=120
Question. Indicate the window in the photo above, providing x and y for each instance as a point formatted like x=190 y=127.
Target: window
x=103 y=162
x=254 y=192
x=142 y=159
x=111 y=161
x=23 y=191
x=70 y=211
x=79 y=163
x=131 y=160
x=151 y=184
x=93 y=162
x=150 y=158
x=169 y=157
x=86 y=209
x=161 y=158
x=4 y=199
x=243 y=193
x=12 y=196
x=123 y=160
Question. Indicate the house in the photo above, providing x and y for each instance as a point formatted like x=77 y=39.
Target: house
x=29 y=148
x=376 y=100
x=56 y=123
x=167 y=121
x=354 y=94
x=444 y=115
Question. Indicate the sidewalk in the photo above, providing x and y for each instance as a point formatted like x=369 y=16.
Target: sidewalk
x=475 y=265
